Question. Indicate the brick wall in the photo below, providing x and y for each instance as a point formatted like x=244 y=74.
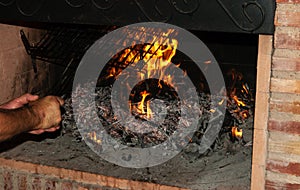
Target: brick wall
x=16 y=71
x=277 y=162
x=27 y=176
x=283 y=160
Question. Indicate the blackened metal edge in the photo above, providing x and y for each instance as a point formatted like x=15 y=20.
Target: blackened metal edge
x=238 y=16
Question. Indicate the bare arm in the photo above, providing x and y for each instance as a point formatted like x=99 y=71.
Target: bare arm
x=15 y=121
x=38 y=116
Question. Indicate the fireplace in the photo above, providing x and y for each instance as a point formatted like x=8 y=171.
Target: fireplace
x=276 y=116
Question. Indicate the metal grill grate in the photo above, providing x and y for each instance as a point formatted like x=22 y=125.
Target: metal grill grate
x=63 y=46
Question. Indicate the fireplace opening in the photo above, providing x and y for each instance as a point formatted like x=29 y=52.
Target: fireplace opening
x=226 y=163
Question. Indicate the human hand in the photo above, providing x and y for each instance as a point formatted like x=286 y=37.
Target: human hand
x=48 y=112
x=19 y=102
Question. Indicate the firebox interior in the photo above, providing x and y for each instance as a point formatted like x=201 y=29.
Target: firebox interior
x=236 y=55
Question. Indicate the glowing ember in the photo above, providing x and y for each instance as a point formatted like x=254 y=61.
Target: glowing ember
x=237 y=101
x=245 y=87
x=239 y=104
x=236 y=133
x=207 y=62
x=93 y=136
x=212 y=110
x=221 y=102
x=244 y=114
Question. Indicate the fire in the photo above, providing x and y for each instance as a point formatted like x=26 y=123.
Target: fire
x=157 y=57
x=93 y=136
x=239 y=96
x=244 y=114
x=212 y=110
x=237 y=101
x=141 y=104
x=112 y=72
x=245 y=89
x=221 y=102
x=162 y=52
x=236 y=132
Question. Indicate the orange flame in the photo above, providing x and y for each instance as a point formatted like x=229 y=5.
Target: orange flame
x=141 y=104
x=244 y=114
x=157 y=55
x=237 y=101
x=236 y=133
x=93 y=136
x=246 y=89
x=236 y=98
x=162 y=52
x=221 y=102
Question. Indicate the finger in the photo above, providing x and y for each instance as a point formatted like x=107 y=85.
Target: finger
x=31 y=97
x=40 y=131
x=52 y=129
x=26 y=98
x=37 y=132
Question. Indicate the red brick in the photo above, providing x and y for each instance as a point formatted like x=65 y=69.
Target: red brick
x=48 y=170
x=288 y=1
x=293 y=108
x=284 y=85
x=97 y=188
x=284 y=167
x=284 y=143
x=287 y=19
x=22 y=182
x=18 y=165
x=50 y=184
x=66 y=186
x=271 y=185
x=285 y=64
x=36 y=183
x=287 y=40
x=71 y=174
x=84 y=187
x=8 y=182
x=291 y=127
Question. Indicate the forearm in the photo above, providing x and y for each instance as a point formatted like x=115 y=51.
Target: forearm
x=13 y=122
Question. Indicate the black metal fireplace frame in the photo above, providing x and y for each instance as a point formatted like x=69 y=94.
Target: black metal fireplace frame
x=238 y=16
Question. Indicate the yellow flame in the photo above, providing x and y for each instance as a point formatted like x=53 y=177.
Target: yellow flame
x=157 y=55
x=212 y=110
x=149 y=111
x=141 y=104
x=207 y=62
x=159 y=58
x=93 y=136
x=221 y=102
x=246 y=89
x=238 y=133
x=239 y=103
x=244 y=114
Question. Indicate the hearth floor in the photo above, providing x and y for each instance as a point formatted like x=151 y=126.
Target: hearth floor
x=226 y=168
